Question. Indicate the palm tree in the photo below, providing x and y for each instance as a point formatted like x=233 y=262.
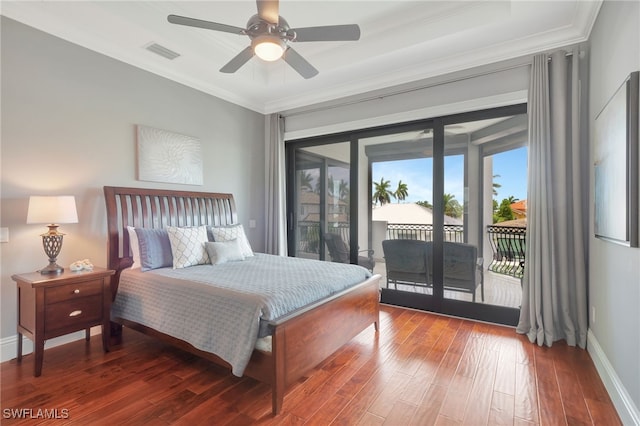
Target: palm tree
x=343 y=190
x=306 y=180
x=496 y=185
x=425 y=204
x=402 y=192
x=382 y=192
x=452 y=207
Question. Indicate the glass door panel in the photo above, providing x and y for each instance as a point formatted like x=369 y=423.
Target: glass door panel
x=480 y=156
x=401 y=204
x=321 y=201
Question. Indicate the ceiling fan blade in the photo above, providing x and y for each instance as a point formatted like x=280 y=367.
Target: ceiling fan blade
x=328 y=33
x=198 y=23
x=269 y=10
x=239 y=60
x=299 y=64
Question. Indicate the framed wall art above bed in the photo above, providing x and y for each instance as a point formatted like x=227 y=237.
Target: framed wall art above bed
x=169 y=157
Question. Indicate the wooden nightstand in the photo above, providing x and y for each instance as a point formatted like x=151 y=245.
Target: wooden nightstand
x=53 y=305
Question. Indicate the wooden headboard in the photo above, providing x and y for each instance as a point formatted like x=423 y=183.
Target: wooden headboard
x=158 y=208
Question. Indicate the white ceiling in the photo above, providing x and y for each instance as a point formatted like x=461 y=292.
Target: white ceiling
x=402 y=41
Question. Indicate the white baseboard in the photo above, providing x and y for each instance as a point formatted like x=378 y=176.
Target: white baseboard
x=625 y=406
x=9 y=345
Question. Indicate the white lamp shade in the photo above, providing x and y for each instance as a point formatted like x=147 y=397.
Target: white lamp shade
x=52 y=209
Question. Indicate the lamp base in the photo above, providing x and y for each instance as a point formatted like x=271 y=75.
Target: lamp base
x=52 y=268
x=52 y=243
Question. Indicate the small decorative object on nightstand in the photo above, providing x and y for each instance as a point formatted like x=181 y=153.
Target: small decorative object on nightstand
x=53 y=305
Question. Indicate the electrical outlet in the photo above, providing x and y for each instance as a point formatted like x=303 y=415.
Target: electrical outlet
x=252 y=223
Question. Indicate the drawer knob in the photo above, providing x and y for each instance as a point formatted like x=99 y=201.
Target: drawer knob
x=75 y=313
x=76 y=291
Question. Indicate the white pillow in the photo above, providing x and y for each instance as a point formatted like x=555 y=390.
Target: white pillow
x=224 y=251
x=187 y=246
x=232 y=232
x=134 y=247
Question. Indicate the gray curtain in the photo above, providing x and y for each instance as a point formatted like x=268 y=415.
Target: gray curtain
x=554 y=286
x=275 y=208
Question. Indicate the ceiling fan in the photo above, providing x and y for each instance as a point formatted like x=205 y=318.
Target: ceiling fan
x=270 y=37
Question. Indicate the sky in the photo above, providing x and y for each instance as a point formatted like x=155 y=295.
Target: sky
x=416 y=173
x=512 y=168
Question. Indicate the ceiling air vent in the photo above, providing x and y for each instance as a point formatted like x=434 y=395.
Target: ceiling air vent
x=162 y=51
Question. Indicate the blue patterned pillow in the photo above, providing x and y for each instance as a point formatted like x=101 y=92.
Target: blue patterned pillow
x=155 y=248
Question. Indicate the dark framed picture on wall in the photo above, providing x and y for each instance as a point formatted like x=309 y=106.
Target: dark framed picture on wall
x=616 y=165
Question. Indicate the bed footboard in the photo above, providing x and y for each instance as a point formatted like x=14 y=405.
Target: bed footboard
x=303 y=342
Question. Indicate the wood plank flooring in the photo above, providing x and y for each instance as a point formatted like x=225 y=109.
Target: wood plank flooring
x=422 y=369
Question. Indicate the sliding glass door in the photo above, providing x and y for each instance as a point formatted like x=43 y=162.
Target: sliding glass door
x=419 y=201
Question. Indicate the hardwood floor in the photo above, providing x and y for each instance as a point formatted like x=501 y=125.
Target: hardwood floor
x=421 y=369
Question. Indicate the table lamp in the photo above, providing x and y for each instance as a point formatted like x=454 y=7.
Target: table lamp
x=52 y=210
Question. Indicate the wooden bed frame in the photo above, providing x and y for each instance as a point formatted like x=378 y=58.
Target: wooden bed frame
x=300 y=341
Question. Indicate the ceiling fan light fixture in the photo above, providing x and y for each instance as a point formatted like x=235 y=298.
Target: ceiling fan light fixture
x=270 y=36
x=268 y=48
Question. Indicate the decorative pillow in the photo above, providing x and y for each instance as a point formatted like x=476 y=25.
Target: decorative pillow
x=224 y=251
x=231 y=232
x=134 y=247
x=155 y=248
x=187 y=246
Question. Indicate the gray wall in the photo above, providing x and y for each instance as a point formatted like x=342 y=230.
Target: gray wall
x=68 y=127
x=488 y=86
x=614 y=270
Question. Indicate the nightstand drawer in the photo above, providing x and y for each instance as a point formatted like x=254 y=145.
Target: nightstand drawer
x=80 y=313
x=72 y=291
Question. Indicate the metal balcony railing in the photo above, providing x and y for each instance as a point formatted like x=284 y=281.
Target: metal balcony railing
x=423 y=232
x=309 y=235
x=508 y=244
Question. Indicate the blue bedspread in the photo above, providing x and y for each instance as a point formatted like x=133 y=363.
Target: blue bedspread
x=220 y=309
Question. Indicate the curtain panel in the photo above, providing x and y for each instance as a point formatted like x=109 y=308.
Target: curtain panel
x=275 y=207
x=554 y=285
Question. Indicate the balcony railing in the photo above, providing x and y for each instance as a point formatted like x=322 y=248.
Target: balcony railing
x=507 y=244
x=309 y=235
x=423 y=232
